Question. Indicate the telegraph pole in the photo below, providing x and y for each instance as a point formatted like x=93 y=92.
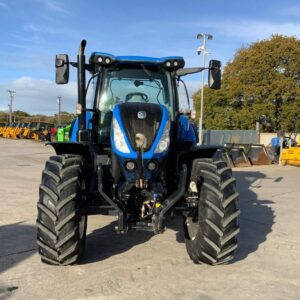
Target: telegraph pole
x=203 y=37
x=59 y=109
x=11 y=96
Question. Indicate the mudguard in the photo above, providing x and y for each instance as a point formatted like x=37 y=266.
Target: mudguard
x=83 y=149
x=193 y=152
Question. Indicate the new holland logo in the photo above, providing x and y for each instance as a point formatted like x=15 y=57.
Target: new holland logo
x=142 y=114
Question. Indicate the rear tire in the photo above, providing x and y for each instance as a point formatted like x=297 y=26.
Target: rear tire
x=211 y=228
x=61 y=230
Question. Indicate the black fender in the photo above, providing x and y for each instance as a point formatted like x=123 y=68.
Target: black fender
x=84 y=149
x=205 y=151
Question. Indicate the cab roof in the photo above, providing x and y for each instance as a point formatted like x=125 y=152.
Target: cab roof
x=103 y=58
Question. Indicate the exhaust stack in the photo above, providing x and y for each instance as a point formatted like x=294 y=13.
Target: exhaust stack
x=82 y=133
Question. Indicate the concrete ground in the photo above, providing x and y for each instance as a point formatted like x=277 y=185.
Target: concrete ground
x=140 y=265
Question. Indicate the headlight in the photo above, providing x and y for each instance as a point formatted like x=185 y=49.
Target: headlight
x=119 y=139
x=164 y=141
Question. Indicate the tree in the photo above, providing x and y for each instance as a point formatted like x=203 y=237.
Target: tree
x=20 y=113
x=3 y=117
x=262 y=80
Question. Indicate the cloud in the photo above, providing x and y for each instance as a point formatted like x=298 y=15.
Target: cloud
x=4 y=108
x=39 y=95
x=3 y=5
x=55 y=6
x=252 y=30
x=37 y=29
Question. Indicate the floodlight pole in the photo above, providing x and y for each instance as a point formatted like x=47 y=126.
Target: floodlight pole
x=11 y=96
x=203 y=37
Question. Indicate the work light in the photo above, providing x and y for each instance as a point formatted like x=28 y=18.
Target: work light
x=151 y=166
x=130 y=165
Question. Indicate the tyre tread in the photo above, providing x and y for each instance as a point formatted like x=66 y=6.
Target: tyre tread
x=215 y=240
x=58 y=237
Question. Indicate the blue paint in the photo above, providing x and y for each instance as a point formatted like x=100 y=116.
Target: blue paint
x=89 y=125
x=186 y=130
x=138 y=59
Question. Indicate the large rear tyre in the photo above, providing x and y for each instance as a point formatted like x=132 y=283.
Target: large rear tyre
x=211 y=228
x=61 y=230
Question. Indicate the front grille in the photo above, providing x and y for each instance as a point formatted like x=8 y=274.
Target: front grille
x=133 y=125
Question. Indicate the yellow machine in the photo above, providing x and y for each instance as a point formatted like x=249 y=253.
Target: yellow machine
x=13 y=133
x=291 y=155
x=28 y=130
x=41 y=132
x=2 y=128
x=8 y=129
x=34 y=136
x=22 y=130
x=18 y=131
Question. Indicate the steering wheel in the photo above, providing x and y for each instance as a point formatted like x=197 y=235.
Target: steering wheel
x=142 y=95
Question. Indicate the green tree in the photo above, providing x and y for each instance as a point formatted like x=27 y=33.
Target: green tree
x=20 y=113
x=262 y=80
x=3 y=117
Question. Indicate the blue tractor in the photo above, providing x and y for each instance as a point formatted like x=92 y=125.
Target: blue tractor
x=135 y=156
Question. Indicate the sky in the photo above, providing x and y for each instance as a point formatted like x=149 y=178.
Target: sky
x=34 y=31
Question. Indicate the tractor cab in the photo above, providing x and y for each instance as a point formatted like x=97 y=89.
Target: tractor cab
x=128 y=85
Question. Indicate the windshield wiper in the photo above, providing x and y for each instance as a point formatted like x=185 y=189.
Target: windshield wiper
x=146 y=71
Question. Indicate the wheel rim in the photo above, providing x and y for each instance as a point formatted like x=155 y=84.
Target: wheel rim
x=82 y=226
x=192 y=227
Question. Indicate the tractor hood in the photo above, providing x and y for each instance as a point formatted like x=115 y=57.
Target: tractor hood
x=141 y=127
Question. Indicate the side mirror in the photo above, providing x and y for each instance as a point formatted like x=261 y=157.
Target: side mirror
x=62 y=68
x=214 y=74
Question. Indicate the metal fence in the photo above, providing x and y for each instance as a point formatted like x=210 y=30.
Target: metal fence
x=220 y=137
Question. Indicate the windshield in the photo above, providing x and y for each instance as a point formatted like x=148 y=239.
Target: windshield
x=136 y=84
x=120 y=85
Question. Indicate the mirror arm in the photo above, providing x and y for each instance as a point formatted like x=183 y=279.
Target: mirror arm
x=73 y=64
x=88 y=67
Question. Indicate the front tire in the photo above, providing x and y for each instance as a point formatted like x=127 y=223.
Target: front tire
x=211 y=228
x=61 y=230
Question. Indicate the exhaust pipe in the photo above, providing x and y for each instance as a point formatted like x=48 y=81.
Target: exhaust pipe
x=82 y=132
